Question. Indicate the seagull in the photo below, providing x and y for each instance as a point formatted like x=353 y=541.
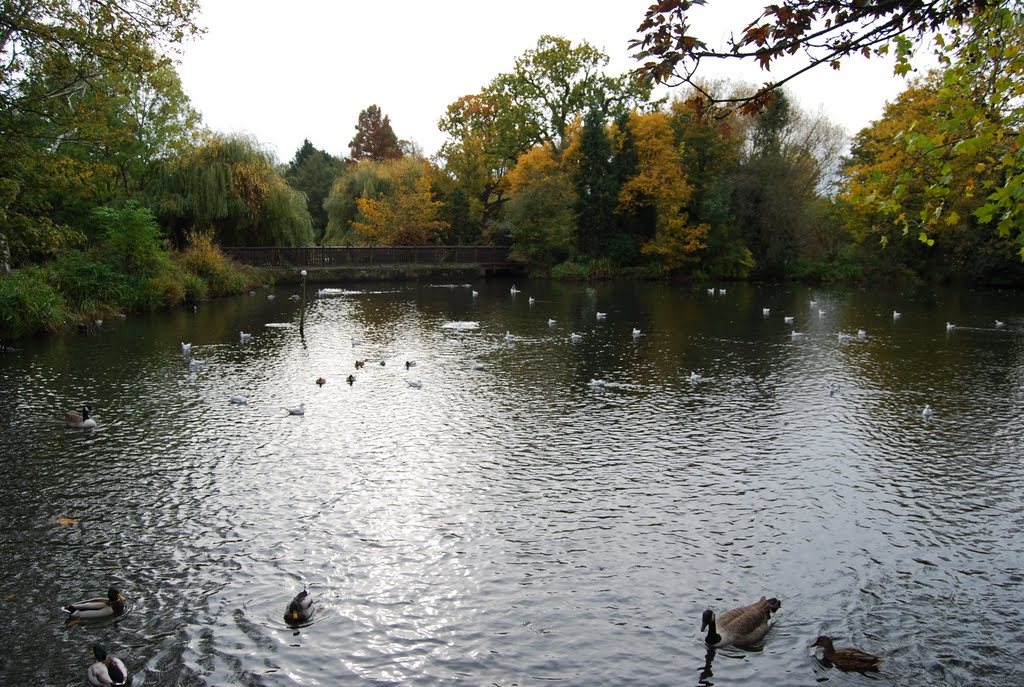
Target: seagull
x=414 y=383
x=787 y=320
x=861 y=334
x=574 y=337
x=794 y=335
x=195 y=363
x=293 y=297
x=474 y=293
x=721 y=292
x=896 y=315
x=478 y=366
x=833 y=389
x=843 y=338
x=243 y=337
x=695 y=378
x=297 y=410
x=239 y=400
x=514 y=290
x=950 y=327
x=601 y=315
x=270 y=296
x=636 y=332
x=814 y=304
x=927 y=413
x=597 y=383
x=551 y=323
x=711 y=292
x=508 y=336
x=532 y=300
x=1000 y=324
x=766 y=311
x=356 y=341
x=186 y=348
x=821 y=313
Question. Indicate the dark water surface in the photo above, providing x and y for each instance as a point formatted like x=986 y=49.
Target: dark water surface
x=516 y=525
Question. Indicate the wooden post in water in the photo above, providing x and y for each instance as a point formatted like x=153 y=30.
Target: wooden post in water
x=302 y=309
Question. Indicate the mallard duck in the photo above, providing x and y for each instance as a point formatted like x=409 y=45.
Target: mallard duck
x=81 y=420
x=350 y=379
x=740 y=627
x=109 y=606
x=320 y=381
x=107 y=670
x=847 y=658
x=300 y=609
x=359 y=364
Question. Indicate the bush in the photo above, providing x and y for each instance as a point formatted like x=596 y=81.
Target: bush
x=220 y=275
x=28 y=305
x=85 y=280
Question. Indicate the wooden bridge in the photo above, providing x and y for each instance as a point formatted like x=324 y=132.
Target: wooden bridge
x=488 y=258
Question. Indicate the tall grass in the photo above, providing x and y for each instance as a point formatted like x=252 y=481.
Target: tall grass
x=28 y=305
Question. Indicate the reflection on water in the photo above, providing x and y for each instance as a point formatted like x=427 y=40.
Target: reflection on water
x=509 y=522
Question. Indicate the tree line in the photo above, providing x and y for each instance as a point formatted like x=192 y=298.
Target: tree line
x=581 y=171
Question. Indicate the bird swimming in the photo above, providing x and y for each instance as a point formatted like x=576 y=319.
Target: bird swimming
x=414 y=383
x=695 y=378
x=636 y=332
x=360 y=364
x=927 y=413
x=766 y=311
x=320 y=381
x=107 y=671
x=350 y=379
x=244 y=337
x=297 y=410
x=300 y=609
x=847 y=658
x=602 y=315
x=410 y=363
x=80 y=420
x=742 y=627
x=551 y=323
x=950 y=326
x=185 y=348
x=108 y=606
x=787 y=319
x=574 y=337
x=1000 y=324
x=239 y=400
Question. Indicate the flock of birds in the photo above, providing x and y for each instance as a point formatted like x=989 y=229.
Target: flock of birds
x=742 y=627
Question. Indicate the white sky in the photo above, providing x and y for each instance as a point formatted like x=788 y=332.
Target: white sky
x=285 y=71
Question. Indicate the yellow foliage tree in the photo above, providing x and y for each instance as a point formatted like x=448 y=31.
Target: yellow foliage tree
x=406 y=214
x=660 y=183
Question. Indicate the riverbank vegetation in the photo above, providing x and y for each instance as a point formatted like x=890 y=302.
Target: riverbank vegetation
x=114 y=197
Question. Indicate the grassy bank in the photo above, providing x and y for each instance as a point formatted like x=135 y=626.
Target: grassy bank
x=116 y=278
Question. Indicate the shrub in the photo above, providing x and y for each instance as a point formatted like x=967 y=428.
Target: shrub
x=86 y=281
x=28 y=305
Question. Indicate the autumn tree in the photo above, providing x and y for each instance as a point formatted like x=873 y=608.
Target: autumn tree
x=405 y=214
x=374 y=139
x=541 y=209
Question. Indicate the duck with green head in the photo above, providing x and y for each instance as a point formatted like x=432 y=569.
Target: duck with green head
x=109 y=606
x=108 y=670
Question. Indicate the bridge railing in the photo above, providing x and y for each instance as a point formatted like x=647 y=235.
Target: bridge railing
x=323 y=257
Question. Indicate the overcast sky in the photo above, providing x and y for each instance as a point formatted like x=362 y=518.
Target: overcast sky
x=285 y=71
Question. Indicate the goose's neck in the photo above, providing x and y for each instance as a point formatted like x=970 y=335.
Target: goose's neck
x=713 y=636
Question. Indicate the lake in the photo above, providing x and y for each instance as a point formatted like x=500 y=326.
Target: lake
x=537 y=510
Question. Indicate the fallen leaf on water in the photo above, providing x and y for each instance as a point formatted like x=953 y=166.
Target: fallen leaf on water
x=66 y=521
x=10 y=597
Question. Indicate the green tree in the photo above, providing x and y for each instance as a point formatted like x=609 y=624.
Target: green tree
x=541 y=209
x=374 y=139
x=313 y=171
x=597 y=190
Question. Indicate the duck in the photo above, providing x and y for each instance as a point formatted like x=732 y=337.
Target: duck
x=81 y=420
x=186 y=348
x=597 y=383
x=741 y=626
x=320 y=381
x=297 y=410
x=244 y=337
x=833 y=389
x=382 y=362
x=847 y=658
x=410 y=363
x=360 y=364
x=109 y=606
x=844 y=338
x=414 y=383
x=350 y=379
x=270 y=296
x=300 y=609
x=107 y=670
x=239 y=400
x=927 y=412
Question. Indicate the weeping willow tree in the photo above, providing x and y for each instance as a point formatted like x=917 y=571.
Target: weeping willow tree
x=230 y=184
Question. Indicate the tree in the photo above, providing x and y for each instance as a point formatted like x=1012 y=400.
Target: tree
x=313 y=171
x=541 y=209
x=597 y=188
x=825 y=31
x=406 y=214
x=374 y=139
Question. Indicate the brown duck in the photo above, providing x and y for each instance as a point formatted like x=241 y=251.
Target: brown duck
x=741 y=626
x=847 y=658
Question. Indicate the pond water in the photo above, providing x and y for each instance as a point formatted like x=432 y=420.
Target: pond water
x=509 y=522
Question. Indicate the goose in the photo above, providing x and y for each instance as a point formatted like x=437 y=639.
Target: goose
x=107 y=670
x=81 y=420
x=239 y=400
x=847 y=658
x=896 y=315
x=1000 y=324
x=574 y=337
x=927 y=413
x=350 y=379
x=320 y=381
x=695 y=378
x=410 y=363
x=108 y=606
x=300 y=609
x=950 y=327
x=186 y=348
x=244 y=337
x=359 y=364
x=602 y=315
x=414 y=383
x=551 y=323
x=766 y=311
x=297 y=410
x=636 y=332
x=787 y=319
x=740 y=627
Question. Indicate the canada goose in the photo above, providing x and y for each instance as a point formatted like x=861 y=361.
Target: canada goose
x=360 y=364
x=740 y=627
x=297 y=410
x=300 y=609
x=81 y=420
x=108 y=670
x=320 y=381
x=927 y=413
x=244 y=337
x=847 y=658
x=107 y=606
x=414 y=383
x=239 y=400
x=186 y=348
